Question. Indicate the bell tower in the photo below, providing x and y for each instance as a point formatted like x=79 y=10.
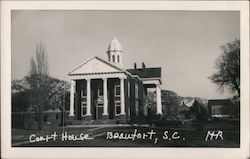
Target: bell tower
x=115 y=52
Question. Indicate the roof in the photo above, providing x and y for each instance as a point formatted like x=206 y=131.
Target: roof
x=93 y=67
x=219 y=102
x=114 y=45
x=188 y=102
x=146 y=72
x=80 y=70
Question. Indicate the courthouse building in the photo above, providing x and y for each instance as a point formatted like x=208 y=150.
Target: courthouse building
x=104 y=90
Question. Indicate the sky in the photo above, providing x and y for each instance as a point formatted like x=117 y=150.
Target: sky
x=185 y=44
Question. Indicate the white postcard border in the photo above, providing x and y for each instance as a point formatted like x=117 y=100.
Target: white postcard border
x=166 y=152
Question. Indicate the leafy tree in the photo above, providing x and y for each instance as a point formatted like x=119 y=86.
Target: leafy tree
x=58 y=94
x=22 y=96
x=200 y=114
x=171 y=104
x=228 y=68
x=20 y=101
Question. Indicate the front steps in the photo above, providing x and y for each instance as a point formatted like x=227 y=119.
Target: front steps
x=97 y=122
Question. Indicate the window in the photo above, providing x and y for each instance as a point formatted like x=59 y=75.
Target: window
x=217 y=109
x=83 y=102
x=117 y=90
x=84 y=108
x=128 y=89
x=137 y=108
x=136 y=90
x=117 y=107
x=145 y=109
x=83 y=93
x=129 y=110
x=113 y=58
x=109 y=57
x=118 y=58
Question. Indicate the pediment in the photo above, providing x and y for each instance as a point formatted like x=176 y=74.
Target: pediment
x=95 y=65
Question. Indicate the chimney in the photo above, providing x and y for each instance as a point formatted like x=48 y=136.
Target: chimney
x=143 y=65
x=135 y=67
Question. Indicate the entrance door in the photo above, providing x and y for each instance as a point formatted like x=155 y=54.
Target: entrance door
x=97 y=99
x=99 y=110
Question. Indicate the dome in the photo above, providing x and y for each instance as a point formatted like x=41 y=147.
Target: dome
x=114 y=45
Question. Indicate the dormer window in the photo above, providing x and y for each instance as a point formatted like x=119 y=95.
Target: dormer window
x=113 y=58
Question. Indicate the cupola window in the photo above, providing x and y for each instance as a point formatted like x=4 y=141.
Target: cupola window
x=118 y=58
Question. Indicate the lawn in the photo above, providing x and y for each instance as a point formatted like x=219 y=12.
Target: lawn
x=184 y=135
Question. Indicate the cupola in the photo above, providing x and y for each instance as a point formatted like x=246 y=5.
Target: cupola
x=115 y=52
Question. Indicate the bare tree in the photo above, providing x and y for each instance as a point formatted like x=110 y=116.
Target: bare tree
x=38 y=79
x=228 y=66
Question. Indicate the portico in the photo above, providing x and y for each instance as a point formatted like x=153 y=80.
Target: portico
x=97 y=94
x=154 y=83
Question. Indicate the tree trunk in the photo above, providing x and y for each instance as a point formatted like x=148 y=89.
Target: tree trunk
x=236 y=86
x=40 y=111
x=40 y=117
x=238 y=90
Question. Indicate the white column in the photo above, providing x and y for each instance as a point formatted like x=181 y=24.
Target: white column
x=72 y=93
x=122 y=96
x=105 y=97
x=88 y=97
x=158 y=97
